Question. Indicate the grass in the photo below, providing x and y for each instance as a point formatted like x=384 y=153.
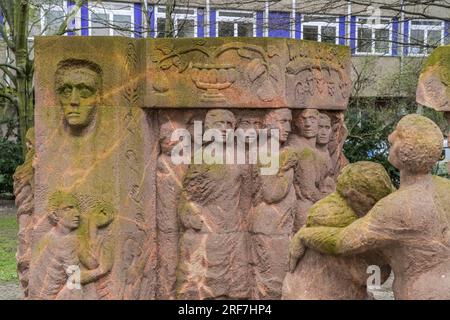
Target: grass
x=8 y=246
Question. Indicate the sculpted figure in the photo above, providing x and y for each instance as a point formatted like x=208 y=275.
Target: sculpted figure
x=336 y=144
x=56 y=252
x=272 y=220
x=96 y=251
x=307 y=174
x=321 y=276
x=24 y=198
x=213 y=254
x=410 y=227
x=78 y=86
x=169 y=178
x=326 y=183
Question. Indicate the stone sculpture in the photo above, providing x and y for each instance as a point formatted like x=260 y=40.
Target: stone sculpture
x=152 y=229
x=320 y=276
x=169 y=185
x=213 y=243
x=57 y=251
x=24 y=199
x=311 y=168
x=410 y=227
x=272 y=221
x=78 y=84
x=433 y=89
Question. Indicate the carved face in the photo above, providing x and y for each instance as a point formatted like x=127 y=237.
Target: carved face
x=323 y=135
x=221 y=120
x=281 y=120
x=308 y=123
x=69 y=216
x=78 y=94
x=394 y=150
x=359 y=202
x=165 y=134
x=250 y=122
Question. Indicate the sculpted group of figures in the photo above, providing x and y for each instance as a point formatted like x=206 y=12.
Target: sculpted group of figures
x=224 y=229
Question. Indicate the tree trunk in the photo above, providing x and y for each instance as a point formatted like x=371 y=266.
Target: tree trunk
x=25 y=104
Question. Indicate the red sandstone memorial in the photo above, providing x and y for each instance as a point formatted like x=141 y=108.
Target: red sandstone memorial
x=105 y=212
x=99 y=189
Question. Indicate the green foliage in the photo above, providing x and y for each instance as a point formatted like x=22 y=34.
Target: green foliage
x=370 y=122
x=10 y=158
x=8 y=247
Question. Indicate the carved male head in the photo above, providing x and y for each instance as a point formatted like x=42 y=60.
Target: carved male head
x=221 y=120
x=324 y=132
x=250 y=122
x=362 y=184
x=416 y=144
x=166 y=130
x=78 y=86
x=64 y=210
x=280 y=119
x=307 y=122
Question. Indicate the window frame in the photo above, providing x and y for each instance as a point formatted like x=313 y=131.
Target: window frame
x=373 y=27
x=425 y=28
x=235 y=20
x=52 y=7
x=106 y=9
x=176 y=17
x=320 y=24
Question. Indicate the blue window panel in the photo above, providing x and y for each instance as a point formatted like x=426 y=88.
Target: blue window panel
x=259 y=23
x=137 y=10
x=279 y=24
x=298 y=25
x=342 y=30
x=200 y=23
x=84 y=19
x=151 y=15
x=395 y=36
x=1 y=16
x=212 y=23
x=71 y=24
x=353 y=34
x=405 y=37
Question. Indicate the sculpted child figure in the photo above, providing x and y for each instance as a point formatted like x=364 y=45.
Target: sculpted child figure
x=411 y=226
x=57 y=251
x=319 y=276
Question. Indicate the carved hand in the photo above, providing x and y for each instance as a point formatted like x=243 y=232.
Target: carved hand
x=296 y=252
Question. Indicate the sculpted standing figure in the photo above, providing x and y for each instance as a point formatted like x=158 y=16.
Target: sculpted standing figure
x=272 y=221
x=410 y=227
x=307 y=174
x=213 y=254
x=169 y=178
x=320 y=276
x=326 y=183
x=24 y=199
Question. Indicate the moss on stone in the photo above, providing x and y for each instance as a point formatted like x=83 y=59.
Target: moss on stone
x=369 y=178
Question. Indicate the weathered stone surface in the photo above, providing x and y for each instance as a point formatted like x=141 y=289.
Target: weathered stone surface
x=320 y=276
x=109 y=198
x=409 y=227
x=433 y=89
